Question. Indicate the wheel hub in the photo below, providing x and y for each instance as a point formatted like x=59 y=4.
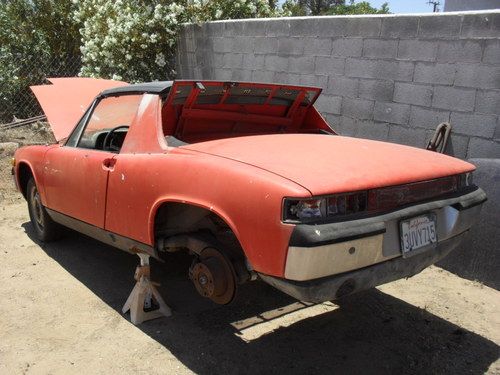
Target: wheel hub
x=213 y=276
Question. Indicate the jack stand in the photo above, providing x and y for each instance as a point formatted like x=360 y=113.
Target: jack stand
x=144 y=302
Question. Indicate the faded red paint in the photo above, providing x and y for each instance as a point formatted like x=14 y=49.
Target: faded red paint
x=65 y=101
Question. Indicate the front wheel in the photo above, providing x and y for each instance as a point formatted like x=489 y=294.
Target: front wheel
x=45 y=228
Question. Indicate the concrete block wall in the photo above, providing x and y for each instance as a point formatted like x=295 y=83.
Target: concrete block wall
x=386 y=77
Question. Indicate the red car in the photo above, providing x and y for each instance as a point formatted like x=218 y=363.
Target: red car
x=246 y=177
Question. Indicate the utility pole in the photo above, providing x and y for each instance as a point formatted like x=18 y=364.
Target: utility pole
x=435 y=4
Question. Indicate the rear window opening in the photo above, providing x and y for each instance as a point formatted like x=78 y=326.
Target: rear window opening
x=203 y=111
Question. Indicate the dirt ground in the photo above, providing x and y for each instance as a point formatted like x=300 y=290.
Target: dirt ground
x=60 y=313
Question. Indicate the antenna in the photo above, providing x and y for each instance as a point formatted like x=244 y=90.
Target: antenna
x=435 y=3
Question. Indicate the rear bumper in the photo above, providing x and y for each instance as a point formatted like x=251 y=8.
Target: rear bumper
x=317 y=251
x=330 y=260
x=333 y=287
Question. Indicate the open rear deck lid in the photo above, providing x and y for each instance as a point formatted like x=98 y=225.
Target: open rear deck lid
x=190 y=93
x=257 y=103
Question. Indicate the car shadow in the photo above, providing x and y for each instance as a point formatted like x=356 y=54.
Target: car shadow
x=371 y=332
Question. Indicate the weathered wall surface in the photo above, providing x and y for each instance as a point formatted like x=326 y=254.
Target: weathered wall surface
x=458 y=5
x=478 y=257
x=386 y=77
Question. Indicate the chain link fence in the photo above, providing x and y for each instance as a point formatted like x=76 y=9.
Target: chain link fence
x=17 y=101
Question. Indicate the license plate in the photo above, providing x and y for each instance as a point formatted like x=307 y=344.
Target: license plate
x=418 y=232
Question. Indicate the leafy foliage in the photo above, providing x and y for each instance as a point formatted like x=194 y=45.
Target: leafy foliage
x=331 y=7
x=363 y=7
x=136 y=40
x=37 y=38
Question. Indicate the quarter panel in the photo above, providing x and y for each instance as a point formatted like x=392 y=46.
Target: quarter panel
x=247 y=198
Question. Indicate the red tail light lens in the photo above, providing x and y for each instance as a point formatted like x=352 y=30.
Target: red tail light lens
x=372 y=201
x=344 y=204
x=395 y=196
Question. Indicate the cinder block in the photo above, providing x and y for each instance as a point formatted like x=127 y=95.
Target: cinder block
x=290 y=46
x=496 y=135
x=439 y=26
x=443 y=74
x=241 y=75
x=492 y=52
x=480 y=76
x=317 y=46
x=381 y=90
x=363 y=27
x=380 y=48
x=408 y=136
x=417 y=50
x=276 y=63
x=457 y=146
x=265 y=76
x=473 y=124
x=368 y=129
x=254 y=27
x=459 y=51
x=252 y=61
x=478 y=26
x=453 y=98
x=411 y=93
x=393 y=113
x=392 y=70
x=483 y=148
x=222 y=74
x=222 y=44
x=313 y=80
x=303 y=27
x=278 y=27
x=330 y=26
x=360 y=109
x=488 y=101
x=329 y=65
x=348 y=126
x=286 y=78
x=427 y=118
x=329 y=104
x=214 y=28
x=302 y=65
x=233 y=28
x=265 y=45
x=399 y=27
x=343 y=86
x=243 y=44
x=218 y=60
x=232 y=60
x=347 y=47
x=190 y=45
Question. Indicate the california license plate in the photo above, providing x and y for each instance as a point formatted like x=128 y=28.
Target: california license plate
x=417 y=232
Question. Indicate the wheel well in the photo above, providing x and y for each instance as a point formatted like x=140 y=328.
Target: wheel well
x=25 y=174
x=174 y=218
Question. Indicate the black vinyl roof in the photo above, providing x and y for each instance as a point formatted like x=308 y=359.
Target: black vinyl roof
x=159 y=88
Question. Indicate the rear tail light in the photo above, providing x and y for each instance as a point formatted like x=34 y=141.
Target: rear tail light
x=372 y=201
x=335 y=205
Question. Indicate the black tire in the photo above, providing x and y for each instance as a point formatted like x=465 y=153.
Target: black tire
x=46 y=229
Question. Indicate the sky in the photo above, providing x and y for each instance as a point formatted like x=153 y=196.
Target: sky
x=406 y=6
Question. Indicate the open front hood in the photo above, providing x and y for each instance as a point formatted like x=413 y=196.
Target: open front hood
x=65 y=101
x=332 y=164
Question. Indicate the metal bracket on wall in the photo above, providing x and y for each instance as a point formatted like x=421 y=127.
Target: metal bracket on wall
x=440 y=138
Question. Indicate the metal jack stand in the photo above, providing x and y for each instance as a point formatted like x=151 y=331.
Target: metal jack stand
x=144 y=302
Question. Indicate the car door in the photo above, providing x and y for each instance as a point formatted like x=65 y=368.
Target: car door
x=76 y=173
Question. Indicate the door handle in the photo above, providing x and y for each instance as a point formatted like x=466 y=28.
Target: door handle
x=108 y=163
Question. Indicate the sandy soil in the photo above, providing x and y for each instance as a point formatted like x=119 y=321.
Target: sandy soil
x=60 y=313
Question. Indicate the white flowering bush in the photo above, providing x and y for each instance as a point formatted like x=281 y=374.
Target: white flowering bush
x=135 y=40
